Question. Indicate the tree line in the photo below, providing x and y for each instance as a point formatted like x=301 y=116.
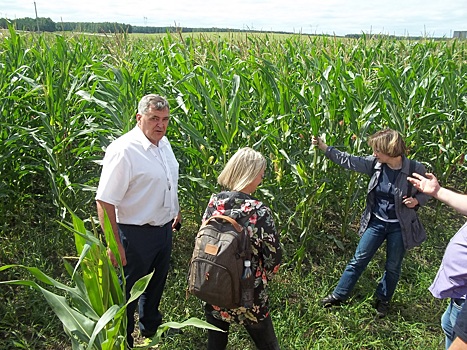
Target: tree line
x=43 y=24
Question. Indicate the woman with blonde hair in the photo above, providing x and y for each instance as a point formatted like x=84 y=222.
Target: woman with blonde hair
x=390 y=214
x=241 y=176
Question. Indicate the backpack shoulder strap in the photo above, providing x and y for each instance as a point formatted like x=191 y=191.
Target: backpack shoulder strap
x=234 y=223
x=239 y=228
x=411 y=170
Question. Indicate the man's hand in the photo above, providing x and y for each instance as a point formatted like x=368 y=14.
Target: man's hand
x=121 y=251
x=177 y=219
x=428 y=184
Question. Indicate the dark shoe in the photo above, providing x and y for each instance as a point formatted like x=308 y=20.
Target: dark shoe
x=382 y=308
x=148 y=334
x=172 y=332
x=331 y=300
x=168 y=333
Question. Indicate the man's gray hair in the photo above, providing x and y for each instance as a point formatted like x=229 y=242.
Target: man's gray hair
x=156 y=101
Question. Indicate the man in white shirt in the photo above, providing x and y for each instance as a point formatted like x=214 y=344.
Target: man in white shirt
x=138 y=191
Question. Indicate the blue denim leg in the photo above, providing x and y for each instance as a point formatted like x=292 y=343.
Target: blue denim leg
x=448 y=320
x=369 y=243
x=395 y=252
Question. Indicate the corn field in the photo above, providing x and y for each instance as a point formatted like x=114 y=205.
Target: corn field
x=64 y=98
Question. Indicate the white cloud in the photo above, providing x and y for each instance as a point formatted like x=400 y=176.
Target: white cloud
x=399 y=17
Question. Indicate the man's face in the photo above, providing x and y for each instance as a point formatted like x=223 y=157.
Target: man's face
x=154 y=123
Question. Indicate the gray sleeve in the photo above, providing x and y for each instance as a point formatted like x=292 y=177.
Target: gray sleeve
x=363 y=165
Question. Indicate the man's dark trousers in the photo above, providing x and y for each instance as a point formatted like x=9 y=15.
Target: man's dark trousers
x=147 y=248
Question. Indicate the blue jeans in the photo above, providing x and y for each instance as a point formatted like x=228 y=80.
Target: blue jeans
x=376 y=233
x=262 y=333
x=448 y=320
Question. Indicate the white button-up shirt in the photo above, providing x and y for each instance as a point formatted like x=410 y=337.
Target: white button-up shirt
x=140 y=179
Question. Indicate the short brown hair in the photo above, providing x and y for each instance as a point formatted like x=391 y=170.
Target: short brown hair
x=388 y=142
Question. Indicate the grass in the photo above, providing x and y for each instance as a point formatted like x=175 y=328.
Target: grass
x=29 y=235
x=300 y=323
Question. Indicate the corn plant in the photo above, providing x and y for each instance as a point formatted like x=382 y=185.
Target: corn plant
x=93 y=310
x=65 y=98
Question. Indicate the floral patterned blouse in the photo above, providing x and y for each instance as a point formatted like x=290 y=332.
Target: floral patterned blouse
x=266 y=251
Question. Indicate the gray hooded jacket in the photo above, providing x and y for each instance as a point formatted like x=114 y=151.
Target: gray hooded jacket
x=413 y=232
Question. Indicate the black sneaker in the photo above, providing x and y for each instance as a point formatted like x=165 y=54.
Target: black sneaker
x=172 y=332
x=148 y=334
x=331 y=300
x=382 y=308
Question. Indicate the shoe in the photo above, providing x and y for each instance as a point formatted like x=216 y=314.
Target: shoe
x=168 y=333
x=331 y=300
x=147 y=334
x=382 y=308
x=172 y=332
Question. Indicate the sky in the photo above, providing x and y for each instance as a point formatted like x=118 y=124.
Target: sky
x=432 y=18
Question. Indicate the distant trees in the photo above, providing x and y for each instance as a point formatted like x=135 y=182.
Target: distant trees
x=30 y=24
x=47 y=25
x=386 y=36
x=91 y=27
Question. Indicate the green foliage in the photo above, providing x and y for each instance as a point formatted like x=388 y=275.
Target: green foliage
x=64 y=98
x=93 y=313
x=299 y=320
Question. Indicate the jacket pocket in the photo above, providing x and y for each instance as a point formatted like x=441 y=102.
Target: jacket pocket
x=418 y=232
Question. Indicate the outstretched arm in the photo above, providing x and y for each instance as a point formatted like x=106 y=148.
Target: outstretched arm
x=364 y=165
x=430 y=186
x=317 y=141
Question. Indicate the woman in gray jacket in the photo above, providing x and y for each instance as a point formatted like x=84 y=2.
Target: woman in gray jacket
x=390 y=214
